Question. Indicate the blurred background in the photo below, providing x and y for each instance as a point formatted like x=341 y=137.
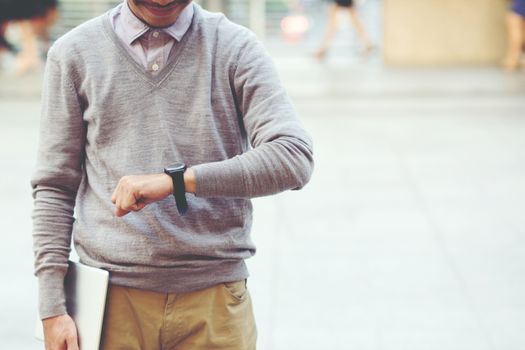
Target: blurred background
x=411 y=233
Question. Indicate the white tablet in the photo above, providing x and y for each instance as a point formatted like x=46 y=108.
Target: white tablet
x=86 y=288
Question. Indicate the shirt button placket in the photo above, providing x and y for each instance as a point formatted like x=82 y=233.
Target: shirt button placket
x=155 y=35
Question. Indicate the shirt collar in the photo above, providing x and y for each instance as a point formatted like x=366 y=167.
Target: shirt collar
x=135 y=28
x=180 y=27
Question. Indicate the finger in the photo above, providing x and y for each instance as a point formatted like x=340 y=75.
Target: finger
x=133 y=207
x=129 y=200
x=114 y=194
x=124 y=211
x=121 y=212
x=120 y=194
x=57 y=346
x=72 y=343
x=117 y=206
x=138 y=206
x=128 y=204
x=121 y=203
x=118 y=199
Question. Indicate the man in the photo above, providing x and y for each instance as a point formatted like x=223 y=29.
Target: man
x=145 y=87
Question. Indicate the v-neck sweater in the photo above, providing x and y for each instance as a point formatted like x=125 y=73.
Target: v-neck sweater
x=218 y=106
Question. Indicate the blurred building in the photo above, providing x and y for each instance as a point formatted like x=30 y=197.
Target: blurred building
x=415 y=32
x=448 y=32
x=260 y=15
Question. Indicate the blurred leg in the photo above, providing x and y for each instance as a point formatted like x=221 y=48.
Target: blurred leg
x=4 y=44
x=361 y=31
x=523 y=36
x=3 y=27
x=27 y=59
x=3 y=41
x=515 y=41
x=42 y=24
x=331 y=29
x=39 y=26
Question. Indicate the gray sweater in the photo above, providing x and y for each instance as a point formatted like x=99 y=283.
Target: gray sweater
x=218 y=106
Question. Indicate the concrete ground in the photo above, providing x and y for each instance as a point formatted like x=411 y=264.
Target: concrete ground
x=410 y=235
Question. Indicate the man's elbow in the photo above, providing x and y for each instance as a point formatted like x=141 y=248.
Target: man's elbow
x=303 y=172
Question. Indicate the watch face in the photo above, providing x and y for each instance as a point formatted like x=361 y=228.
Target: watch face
x=176 y=167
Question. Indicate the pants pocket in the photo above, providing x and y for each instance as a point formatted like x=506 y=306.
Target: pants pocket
x=237 y=290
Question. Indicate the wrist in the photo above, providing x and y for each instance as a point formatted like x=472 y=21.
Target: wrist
x=167 y=184
x=51 y=295
x=190 y=181
x=177 y=173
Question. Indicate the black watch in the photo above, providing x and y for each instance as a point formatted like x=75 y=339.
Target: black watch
x=176 y=172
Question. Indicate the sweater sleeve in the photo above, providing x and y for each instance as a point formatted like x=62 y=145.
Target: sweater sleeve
x=281 y=157
x=55 y=182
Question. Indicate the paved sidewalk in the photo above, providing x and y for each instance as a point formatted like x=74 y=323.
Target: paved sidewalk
x=411 y=234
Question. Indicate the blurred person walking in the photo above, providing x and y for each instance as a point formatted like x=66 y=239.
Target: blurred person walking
x=33 y=18
x=152 y=99
x=5 y=46
x=332 y=26
x=42 y=24
x=516 y=35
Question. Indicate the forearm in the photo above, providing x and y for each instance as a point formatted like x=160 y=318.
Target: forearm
x=52 y=224
x=268 y=169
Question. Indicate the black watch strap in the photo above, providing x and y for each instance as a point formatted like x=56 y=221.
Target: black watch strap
x=176 y=172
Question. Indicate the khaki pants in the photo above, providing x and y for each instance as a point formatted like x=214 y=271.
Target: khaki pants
x=219 y=317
